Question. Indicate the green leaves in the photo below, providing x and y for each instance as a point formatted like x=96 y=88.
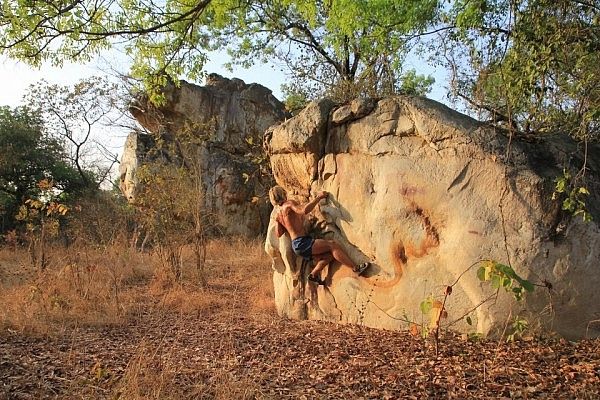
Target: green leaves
x=572 y=195
x=503 y=276
x=347 y=42
x=532 y=64
x=163 y=38
x=518 y=327
x=426 y=305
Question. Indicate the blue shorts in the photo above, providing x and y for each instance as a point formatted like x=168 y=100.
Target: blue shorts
x=302 y=246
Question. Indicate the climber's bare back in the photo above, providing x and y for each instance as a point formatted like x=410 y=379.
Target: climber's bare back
x=290 y=216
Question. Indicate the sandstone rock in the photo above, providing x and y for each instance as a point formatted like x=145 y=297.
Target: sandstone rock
x=358 y=108
x=135 y=150
x=223 y=123
x=425 y=193
x=342 y=115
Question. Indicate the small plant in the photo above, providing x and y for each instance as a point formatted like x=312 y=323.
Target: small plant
x=500 y=275
x=426 y=306
x=171 y=207
x=573 y=195
x=42 y=219
x=475 y=336
x=436 y=310
x=11 y=238
x=504 y=276
x=519 y=326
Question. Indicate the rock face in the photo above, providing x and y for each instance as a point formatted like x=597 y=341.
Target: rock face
x=426 y=193
x=222 y=124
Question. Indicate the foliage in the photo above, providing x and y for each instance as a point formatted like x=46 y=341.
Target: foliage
x=171 y=209
x=42 y=217
x=504 y=276
x=529 y=64
x=162 y=38
x=320 y=43
x=572 y=195
x=29 y=155
x=99 y=219
x=415 y=85
x=518 y=328
x=326 y=43
x=499 y=276
x=295 y=98
x=435 y=310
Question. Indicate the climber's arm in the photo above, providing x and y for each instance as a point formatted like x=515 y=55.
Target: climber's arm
x=308 y=207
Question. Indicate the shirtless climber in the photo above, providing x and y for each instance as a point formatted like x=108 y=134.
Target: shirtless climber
x=290 y=219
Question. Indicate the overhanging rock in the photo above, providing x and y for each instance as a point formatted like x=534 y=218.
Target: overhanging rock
x=222 y=124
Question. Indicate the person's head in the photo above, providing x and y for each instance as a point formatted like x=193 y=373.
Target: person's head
x=277 y=195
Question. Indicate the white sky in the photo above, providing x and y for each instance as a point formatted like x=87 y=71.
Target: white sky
x=17 y=76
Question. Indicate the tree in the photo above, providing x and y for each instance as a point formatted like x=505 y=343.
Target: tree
x=531 y=65
x=42 y=219
x=29 y=155
x=76 y=114
x=354 y=46
x=162 y=37
x=171 y=203
x=338 y=41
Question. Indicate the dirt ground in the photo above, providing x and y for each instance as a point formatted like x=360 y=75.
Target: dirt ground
x=234 y=346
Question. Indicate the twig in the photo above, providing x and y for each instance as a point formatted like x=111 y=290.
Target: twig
x=467 y=270
x=436 y=336
x=392 y=317
x=492 y=296
x=588 y=327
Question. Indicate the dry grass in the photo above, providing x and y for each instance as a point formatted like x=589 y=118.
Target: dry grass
x=89 y=286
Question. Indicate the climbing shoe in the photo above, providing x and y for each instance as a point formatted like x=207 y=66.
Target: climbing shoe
x=316 y=279
x=362 y=268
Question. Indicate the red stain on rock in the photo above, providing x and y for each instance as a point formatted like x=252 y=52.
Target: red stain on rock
x=401 y=253
x=408 y=191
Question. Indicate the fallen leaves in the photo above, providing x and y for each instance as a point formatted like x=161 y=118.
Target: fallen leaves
x=289 y=359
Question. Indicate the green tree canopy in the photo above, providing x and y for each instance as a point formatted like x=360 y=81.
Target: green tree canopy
x=28 y=155
x=322 y=42
x=361 y=44
x=528 y=63
x=533 y=64
x=164 y=38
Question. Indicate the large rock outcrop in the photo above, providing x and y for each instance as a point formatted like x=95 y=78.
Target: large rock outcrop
x=222 y=124
x=425 y=193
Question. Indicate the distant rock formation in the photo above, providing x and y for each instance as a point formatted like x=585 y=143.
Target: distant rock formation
x=224 y=122
x=425 y=193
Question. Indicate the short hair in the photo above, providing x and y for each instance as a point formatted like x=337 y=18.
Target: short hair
x=277 y=195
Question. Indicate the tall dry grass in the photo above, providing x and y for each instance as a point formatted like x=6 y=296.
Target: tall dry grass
x=88 y=286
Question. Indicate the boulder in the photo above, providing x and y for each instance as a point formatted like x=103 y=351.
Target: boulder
x=221 y=124
x=427 y=194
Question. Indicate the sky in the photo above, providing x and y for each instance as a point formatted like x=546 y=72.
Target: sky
x=17 y=76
